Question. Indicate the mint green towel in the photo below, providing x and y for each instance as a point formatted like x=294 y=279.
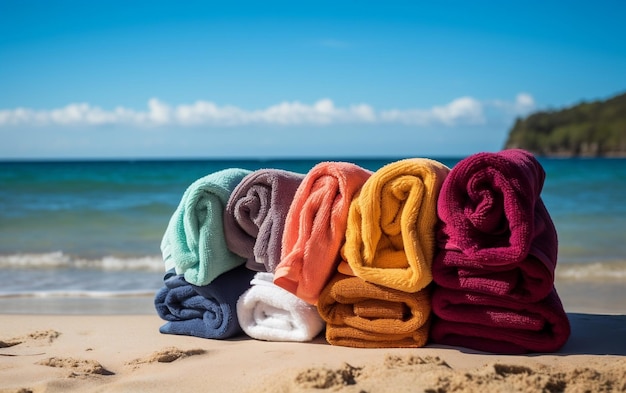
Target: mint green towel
x=194 y=243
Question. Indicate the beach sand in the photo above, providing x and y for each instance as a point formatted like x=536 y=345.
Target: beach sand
x=126 y=353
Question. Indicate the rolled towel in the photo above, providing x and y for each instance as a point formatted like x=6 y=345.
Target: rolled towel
x=529 y=280
x=194 y=242
x=315 y=228
x=365 y=315
x=268 y=312
x=390 y=236
x=491 y=210
x=208 y=311
x=498 y=325
x=254 y=219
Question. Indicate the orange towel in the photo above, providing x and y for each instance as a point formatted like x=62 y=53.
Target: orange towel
x=315 y=227
x=390 y=237
x=365 y=315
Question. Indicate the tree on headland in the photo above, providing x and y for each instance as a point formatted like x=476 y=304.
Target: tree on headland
x=589 y=129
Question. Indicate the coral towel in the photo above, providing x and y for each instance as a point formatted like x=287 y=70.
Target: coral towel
x=498 y=324
x=491 y=211
x=194 y=242
x=268 y=312
x=315 y=227
x=390 y=236
x=255 y=215
x=365 y=315
x=208 y=311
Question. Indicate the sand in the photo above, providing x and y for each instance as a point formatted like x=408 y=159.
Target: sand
x=126 y=353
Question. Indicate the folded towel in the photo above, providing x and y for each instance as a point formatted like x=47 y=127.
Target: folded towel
x=365 y=315
x=497 y=324
x=203 y=311
x=527 y=281
x=491 y=210
x=194 y=242
x=254 y=219
x=390 y=236
x=268 y=312
x=315 y=227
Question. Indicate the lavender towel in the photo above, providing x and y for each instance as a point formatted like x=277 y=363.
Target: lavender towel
x=255 y=215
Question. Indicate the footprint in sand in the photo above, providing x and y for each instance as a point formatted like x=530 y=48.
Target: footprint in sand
x=325 y=378
x=77 y=367
x=9 y=343
x=40 y=336
x=166 y=355
x=433 y=375
x=393 y=361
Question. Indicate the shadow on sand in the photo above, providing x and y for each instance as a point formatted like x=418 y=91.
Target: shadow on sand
x=596 y=334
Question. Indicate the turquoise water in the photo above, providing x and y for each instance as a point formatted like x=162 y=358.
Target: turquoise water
x=587 y=201
x=93 y=228
x=97 y=209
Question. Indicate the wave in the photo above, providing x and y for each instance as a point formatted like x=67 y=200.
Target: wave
x=591 y=271
x=613 y=271
x=59 y=259
x=77 y=294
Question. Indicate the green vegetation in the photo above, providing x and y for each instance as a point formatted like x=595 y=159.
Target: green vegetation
x=589 y=129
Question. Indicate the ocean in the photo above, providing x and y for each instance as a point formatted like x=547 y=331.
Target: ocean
x=82 y=237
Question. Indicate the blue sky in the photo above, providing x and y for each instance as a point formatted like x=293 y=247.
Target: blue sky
x=110 y=79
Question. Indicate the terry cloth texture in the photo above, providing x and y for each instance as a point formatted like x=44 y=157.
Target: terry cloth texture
x=268 y=312
x=315 y=227
x=498 y=324
x=494 y=272
x=203 y=311
x=390 y=236
x=254 y=219
x=491 y=210
x=365 y=315
x=194 y=242
x=528 y=280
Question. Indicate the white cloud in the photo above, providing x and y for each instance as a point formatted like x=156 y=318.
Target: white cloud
x=158 y=112
x=524 y=103
x=464 y=110
x=460 y=111
x=525 y=100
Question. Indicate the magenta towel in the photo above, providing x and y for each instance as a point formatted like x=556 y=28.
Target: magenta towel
x=530 y=280
x=499 y=325
x=491 y=210
x=254 y=218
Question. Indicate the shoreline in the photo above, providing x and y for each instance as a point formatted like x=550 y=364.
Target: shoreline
x=597 y=296
x=115 y=353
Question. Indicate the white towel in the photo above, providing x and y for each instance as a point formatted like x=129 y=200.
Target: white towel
x=271 y=313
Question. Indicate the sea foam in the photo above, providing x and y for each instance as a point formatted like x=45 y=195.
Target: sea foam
x=614 y=271
x=59 y=259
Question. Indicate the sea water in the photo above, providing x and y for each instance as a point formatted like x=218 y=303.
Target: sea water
x=84 y=236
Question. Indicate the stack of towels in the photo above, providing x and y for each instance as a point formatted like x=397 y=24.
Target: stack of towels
x=497 y=255
x=378 y=297
x=203 y=279
x=412 y=253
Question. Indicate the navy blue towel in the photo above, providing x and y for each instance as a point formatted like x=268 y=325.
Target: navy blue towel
x=208 y=311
